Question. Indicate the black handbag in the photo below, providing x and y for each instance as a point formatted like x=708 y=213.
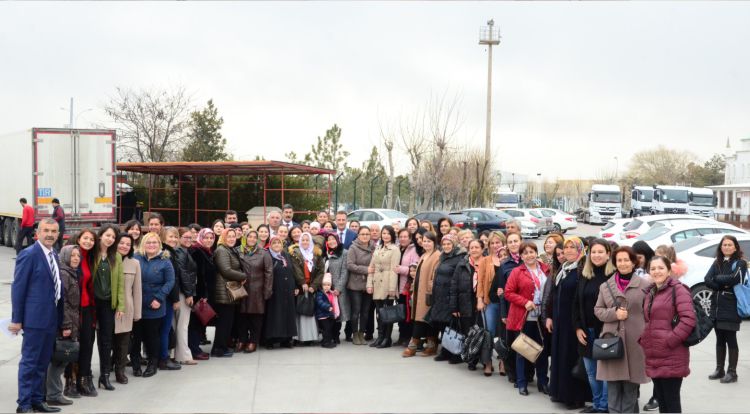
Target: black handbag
x=305 y=305
x=611 y=346
x=392 y=313
x=66 y=350
x=475 y=341
x=579 y=370
x=502 y=349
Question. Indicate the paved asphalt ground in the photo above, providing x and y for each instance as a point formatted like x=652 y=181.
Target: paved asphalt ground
x=345 y=379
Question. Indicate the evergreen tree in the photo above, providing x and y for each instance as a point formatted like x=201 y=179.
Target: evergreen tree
x=205 y=142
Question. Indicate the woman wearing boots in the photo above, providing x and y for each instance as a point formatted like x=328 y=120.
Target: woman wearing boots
x=131 y=271
x=87 y=242
x=514 y=242
x=258 y=267
x=186 y=282
x=422 y=292
x=229 y=268
x=70 y=259
x=463 y=297
x=382 y=281
x=409 y=255
x=441 y=313
x=336 y=266
x=358 y=260
x=726 y=272
x=109 y=296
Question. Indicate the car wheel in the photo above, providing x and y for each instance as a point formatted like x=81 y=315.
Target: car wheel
x=704 y=295
x=557 y=228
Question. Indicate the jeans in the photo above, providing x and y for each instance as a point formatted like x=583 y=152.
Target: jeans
x=531 y=329
x=166 y=326
x=492 y=316
x=598 y=388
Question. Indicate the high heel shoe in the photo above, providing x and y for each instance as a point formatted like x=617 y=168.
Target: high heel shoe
x=104 y=382
x=488 y=370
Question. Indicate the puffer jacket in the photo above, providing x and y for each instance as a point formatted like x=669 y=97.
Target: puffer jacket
x=358 y=260
x=188 y=271
x=666 y=356
x=461 y=294
x=298 y=262
x=228 y=268
x=505 y=268
x=157 y=280
x=71 y=318
x=441 y=285
x=322 y=306
x=721 y=278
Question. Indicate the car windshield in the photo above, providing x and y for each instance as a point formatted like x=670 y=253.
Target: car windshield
x=609 y=225
x=502 y=215
x=653 y=233
x=646 y=196
x=535 y=214
x=683 y=245
x=393 y=214
x=703 y=200
x=506 y=198
x=633 y=225
x=674 y=196
x=606 y=197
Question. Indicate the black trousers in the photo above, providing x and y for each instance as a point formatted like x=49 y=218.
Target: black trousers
x=224 y=321
x=404 y=328
x=370 y=318
x=24 y=233
x=327 y=325
x=148 y=332
x=726 y=338
x=250 y=327
x=86 y=337
x=120 y=349
x=196 y=331
x=667 y=392
x=360 y=302
x=105 y=331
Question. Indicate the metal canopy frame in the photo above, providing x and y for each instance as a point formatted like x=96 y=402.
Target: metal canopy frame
x=227 y=169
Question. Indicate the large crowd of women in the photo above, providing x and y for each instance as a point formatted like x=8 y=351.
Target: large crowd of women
x=146 y=289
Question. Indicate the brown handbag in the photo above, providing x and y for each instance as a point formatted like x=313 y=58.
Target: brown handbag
x=527 y=347
x=236 y=291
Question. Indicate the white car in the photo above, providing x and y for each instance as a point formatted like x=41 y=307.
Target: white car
x=380 y=216
x=672 y=233
x=699 y=253
x=640 y=225
x=562 y=221
x=531 y=227
x=611 y=231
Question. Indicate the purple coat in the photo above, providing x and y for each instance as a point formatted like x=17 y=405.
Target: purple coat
x=666 y=356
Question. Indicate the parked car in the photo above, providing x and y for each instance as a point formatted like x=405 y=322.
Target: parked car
x=670 y=233
x=611 y=231
x=531 y=226
x=640 y=225
x=699 y=253
x=561 y=220
x=547 y=223
x=459 y=219
x=381 y=216
x=487 y=218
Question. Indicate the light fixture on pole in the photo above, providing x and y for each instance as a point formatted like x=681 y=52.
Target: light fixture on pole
x=489 y=36
x=74 y=119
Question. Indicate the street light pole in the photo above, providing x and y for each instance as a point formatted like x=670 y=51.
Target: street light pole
x=617 y=167
x=489 y=36
x=70 y=125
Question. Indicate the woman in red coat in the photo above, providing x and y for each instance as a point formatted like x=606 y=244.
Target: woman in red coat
x=523 y=291
x=667 y=358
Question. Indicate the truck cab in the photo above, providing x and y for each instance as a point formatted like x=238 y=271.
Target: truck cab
x=701 y=202
x=604 y=204
x=669 y=199
x=640 y=200
x=507 y=199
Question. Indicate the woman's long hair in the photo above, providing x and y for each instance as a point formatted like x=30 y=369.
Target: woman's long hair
x=737 y=250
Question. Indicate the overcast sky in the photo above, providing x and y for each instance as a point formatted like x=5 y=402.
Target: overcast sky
x=575 y=84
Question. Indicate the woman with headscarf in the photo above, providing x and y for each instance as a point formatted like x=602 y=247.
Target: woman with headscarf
x=258 y=268
x=564 y=387
x=228 y=268
x=488 y=285
x=441 y=312
x=280 y=324
x=336 y=266
x=202 y=254
x=308 y=264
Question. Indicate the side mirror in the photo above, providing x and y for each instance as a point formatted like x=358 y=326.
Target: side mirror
x=690 y=196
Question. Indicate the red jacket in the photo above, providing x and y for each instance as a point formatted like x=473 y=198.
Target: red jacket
x=27 y=219
x=666 y=356
x=518 y=291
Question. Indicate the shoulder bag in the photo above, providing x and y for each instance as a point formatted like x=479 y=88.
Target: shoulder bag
x=236 y=290
x=204 y=312
x=453 y=340
x=609 y=346
x=742 y=292
x=527 y=347
x=392 y=313
x=305 y=305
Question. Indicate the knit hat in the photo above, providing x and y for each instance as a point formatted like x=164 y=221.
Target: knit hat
x=327 y=279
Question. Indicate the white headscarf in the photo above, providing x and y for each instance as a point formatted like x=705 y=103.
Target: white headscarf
x=307 y=254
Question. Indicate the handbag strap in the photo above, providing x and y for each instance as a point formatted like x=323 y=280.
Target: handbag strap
x=614 y=303
x=538 y=326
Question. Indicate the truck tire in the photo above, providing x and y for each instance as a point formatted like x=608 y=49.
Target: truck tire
x=704 y=296
x=2 y=231
x=10 y=234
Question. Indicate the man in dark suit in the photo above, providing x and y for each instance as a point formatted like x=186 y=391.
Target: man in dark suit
x=287 y=216
x=346 y=235
x=37 y=297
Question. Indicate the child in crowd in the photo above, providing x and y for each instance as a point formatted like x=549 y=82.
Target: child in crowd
x=327 y=312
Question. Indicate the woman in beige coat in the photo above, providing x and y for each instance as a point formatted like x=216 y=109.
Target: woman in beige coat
x=620 y=307
x=382 y=281
x=131 y=270
x=421 y=297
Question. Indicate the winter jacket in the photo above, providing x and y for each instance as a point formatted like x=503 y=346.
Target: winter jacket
x=422 y=287
x=519 y=290
x=228 y=268
x=505 y=268
x=188 y=272
x=258 y=268
x=298 y=261
x=131 y=271
x=174 y=294
x=384 y=280
x=157 y=280
x=71 y=313
x=584 y=302
x=721 y=278
x=408 y=257
x=441 y=285
x=206 y=272
x=484 y=278
x=461 y=293
x=322 y=306
x=357 y=262
x=631 y=367
x=666 y=356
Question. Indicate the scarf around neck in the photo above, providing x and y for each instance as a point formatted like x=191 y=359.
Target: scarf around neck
x=563 y=273
x=307 y=254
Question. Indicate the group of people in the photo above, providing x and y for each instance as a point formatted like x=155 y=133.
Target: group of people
x=154 y=288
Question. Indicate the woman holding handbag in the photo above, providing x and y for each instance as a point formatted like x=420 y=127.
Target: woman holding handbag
x=620 y=307
x=409 y=255
x=670 y=319
x=202 y=253
x=524 y=294
x=724 y=274
x=463 y=297
x=229 y=269
x=358 y=261
x=488 y=284
x=382 y=281
x=441 y=312
x=308 y=264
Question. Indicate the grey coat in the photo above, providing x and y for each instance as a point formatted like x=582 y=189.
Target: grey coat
x=357 y=263
x=336 y=266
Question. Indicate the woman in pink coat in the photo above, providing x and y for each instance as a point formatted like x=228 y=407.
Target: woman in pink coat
x=409 y=256
x=667 y=358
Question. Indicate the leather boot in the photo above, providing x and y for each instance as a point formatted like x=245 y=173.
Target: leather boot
x=71 y=390
x=120 y=376
x=104 y=382
x=430 y=348
x=731 y=376
x=86 y=386
x=721 y=353
x=386 y=342
x=151 y=368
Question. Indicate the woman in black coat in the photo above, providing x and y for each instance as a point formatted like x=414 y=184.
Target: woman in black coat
x=726 y=272
x=280 y=324
x=441 y=312
x=202 y=255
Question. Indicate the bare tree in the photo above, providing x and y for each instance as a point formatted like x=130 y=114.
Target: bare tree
x=414 y=144
x=387 y=139
x=152 y=123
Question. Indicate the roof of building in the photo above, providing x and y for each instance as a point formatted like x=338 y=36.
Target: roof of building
x=744 y=186
x=222 y=168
